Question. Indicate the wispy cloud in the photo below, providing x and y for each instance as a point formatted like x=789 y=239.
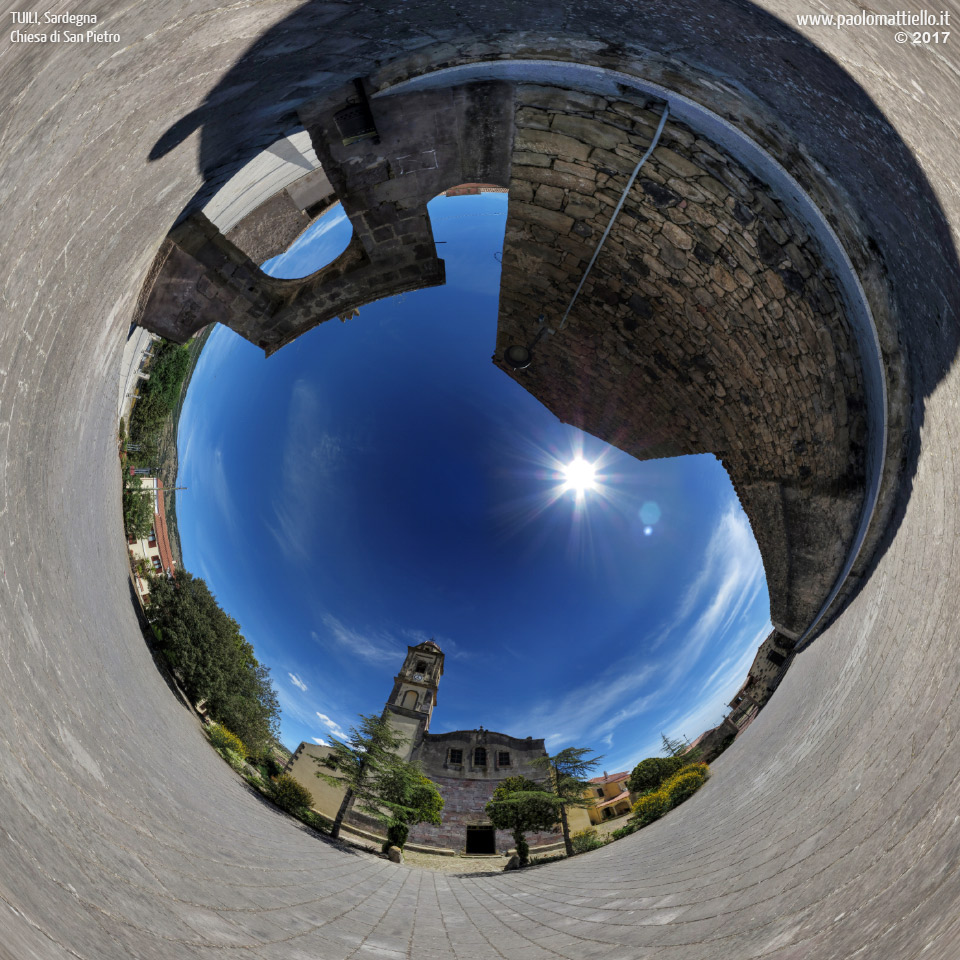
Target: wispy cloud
x=310 y=459
x=297 y=682
x=332 y=725
x=577 y=713
x=377 y=646
x=677 y=689
x=321 y=741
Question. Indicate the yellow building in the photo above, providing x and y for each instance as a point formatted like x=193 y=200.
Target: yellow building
x=155 y=547
x=609 y=798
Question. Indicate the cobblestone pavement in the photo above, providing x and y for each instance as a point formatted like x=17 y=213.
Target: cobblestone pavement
x=828 y=831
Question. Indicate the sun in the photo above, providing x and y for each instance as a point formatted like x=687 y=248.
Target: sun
x=580 y=476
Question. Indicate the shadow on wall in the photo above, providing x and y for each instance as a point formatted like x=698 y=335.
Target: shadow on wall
x=319 y=48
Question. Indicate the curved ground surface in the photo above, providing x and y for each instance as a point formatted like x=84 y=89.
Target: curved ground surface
x=831 y=829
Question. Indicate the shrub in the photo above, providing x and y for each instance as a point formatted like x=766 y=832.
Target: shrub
x=289 y=794
x=223 y=739
x=651 y=806
x=397 y=834
x=625 y=831
x=685 y=783
x=650 y=773
x=233 y=758
x=313 y=819
x=584 y=840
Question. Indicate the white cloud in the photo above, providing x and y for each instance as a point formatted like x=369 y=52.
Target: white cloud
x=375 y=646
x=667 y=690
x=321 y=741
x=574 y=715
x=297 y=682
x=333 y=726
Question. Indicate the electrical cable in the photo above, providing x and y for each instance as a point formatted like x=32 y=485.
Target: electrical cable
x=623 y=197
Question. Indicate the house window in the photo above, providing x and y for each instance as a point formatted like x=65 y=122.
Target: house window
x=503 y=759
x=157 y=565
x=599 y=791
x=152 y=539
x=456 y=756
x=480 y=757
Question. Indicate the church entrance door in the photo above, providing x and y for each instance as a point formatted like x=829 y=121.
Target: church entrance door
x=481 y=840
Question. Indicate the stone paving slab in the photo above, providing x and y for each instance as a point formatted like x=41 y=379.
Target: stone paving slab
x=829 y=830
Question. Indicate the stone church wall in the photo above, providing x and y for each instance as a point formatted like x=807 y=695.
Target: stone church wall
x=709 y=323
x=467 y=788
x=464 y=801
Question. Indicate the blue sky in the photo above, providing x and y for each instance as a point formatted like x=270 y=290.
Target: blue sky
x=378 y=482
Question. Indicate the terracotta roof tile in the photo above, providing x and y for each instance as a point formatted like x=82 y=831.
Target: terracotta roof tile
x=612 y=777
x=160 y=526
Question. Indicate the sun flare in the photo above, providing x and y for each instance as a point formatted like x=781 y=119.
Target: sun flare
x=580 y=476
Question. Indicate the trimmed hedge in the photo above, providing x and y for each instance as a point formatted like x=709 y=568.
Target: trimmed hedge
x=650 y=774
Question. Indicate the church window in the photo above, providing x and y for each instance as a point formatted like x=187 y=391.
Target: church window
x=503 y=758
x=456 y=756
x=480 y=757
x=410 y=700
x=421 y=667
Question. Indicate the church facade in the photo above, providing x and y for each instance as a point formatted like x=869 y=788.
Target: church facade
x=466 y=765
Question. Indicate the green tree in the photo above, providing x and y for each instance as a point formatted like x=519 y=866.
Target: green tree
x=674 y=746
x=212 y=659
x=367 y=765
x=137 y=508
x=650 y=773
x=569 y=770
x=410 y=797
x=159 y=395
x=522 y=805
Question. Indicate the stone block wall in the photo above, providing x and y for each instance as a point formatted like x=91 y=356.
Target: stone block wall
x=427 y=142
x=464 y=802
x=269 y=229
x=708 y=323
x=466 y=789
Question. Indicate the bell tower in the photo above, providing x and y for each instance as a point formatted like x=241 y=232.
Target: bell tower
x=414 y=693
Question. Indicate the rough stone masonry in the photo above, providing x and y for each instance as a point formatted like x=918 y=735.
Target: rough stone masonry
x=709 y=324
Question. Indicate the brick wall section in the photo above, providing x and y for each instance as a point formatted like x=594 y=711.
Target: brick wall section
x=708 y=324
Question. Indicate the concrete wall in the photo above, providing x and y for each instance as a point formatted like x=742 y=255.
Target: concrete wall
x=303 y=768
x=828 y=830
